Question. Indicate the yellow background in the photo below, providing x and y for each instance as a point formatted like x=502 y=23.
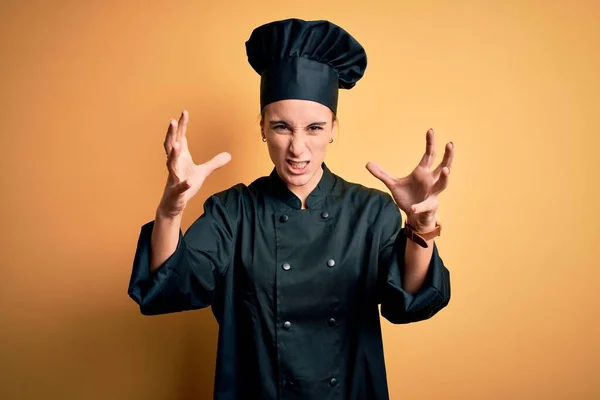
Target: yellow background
x=87 y=92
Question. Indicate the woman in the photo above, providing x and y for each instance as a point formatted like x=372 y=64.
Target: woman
x=295 y=264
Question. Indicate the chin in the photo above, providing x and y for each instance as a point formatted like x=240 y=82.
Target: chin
x=296 y=180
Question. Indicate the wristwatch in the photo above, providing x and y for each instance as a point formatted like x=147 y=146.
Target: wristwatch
x=421 y=238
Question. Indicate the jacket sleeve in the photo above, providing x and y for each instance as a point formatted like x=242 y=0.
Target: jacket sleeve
x=397 y=305
x=188 y=279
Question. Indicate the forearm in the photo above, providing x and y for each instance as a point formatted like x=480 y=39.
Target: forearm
x=416 y=265
x=165 y=236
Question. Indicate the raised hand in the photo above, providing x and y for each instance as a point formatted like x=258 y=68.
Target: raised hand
x=417 y=193
x=185 y=177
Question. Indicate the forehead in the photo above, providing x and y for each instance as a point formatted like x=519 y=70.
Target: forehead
x=297 y=111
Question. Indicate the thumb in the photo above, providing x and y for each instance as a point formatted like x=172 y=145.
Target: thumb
x=216 y=162
x=380 y=173
x=429 y=204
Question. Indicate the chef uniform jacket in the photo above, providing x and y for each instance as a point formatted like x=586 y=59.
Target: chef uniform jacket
x=295 y=292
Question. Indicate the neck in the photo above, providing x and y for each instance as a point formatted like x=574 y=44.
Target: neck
x=302 y=192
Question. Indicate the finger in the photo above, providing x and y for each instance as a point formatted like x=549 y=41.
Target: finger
x=216 y=162
x=446 y=161
x=183 y=123
x=175 y=151
x=429 y=204
x=172 y=158
x=168 y=143
x=429 y=156
x=442 y=182
x=181 y=187
x=380 y=174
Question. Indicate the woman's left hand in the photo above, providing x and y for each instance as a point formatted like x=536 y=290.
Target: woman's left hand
x=417 y=193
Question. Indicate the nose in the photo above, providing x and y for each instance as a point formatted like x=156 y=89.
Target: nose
x=297 y=145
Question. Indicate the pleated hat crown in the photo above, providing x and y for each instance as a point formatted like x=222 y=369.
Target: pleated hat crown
x=307 y=60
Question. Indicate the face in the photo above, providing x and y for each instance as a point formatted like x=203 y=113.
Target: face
x=298 y=133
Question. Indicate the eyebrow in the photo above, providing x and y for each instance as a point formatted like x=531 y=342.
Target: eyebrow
x=281 y=121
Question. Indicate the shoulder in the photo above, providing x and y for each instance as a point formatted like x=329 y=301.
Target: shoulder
x=240 y=194
x=230 y=196
x=361 y=195
x=376 y=206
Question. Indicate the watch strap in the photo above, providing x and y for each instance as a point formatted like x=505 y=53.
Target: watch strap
x=421 y=238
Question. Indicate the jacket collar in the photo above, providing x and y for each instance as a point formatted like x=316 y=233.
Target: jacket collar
x=323 y=189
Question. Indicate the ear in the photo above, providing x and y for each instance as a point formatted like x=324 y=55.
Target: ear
x=334 y=128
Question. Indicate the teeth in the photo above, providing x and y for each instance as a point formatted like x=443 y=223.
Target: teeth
x=298 y=165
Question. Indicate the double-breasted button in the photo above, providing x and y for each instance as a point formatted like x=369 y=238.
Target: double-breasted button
x=330 y=263
x=286 y=266
x=332 y=321
x=287 y=325
x=333 y=382
x=284 y=218
x=324 y=215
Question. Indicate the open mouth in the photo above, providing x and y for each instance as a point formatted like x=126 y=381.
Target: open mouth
x=297 y=167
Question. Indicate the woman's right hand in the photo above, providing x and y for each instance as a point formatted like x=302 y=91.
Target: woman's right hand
x=185 y=177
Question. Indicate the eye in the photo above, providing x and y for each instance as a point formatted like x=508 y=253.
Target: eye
x=315 y=128
x=280 y=127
